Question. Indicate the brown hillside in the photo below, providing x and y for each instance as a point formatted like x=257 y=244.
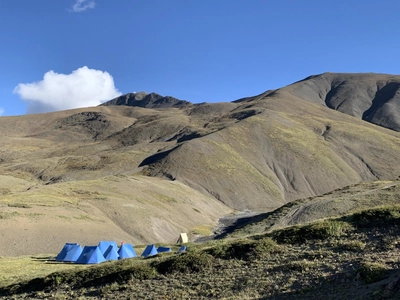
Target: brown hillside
x=291 y=148
x=371 y=97
x=145 y=174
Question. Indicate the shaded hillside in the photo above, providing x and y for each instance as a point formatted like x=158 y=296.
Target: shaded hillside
x=371 y=97
x=200 y=160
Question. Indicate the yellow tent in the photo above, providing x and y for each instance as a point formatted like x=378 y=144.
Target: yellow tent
x=183 y=238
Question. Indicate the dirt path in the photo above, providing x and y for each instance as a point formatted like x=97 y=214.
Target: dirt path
x=228 y=224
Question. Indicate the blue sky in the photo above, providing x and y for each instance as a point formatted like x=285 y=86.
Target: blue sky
x=201 y=51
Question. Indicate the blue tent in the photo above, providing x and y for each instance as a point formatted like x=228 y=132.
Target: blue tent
x=130 y=247
x=149 y=251
x=163 y=249
x=64 y=250
x=69 y=253
x=126 y=251
x=73 y=254
x=103 y=245
x=181 y=250
x=90 y=255
x=111 y=253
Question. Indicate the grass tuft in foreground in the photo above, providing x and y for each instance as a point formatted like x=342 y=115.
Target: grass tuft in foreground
x=195 y=261
x=372 y=272
x=301 y=262
x=320 y=230
x=378 y=217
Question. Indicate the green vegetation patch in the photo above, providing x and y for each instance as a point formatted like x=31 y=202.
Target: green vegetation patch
x=119 y=271
x=372 y=272
x=203 y=230
x=354 y=246
x=4 y=215
x=320 y=230
x=264 y=247
x=301 y=266
x=236 y=250
x=84 y=217
x=245 y=249
x=378 y=217
x=190 y=262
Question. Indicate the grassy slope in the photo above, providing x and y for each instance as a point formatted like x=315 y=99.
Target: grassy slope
x=349 y=199
x=354 y=257
x=134 y=209
x=292 y=149
x=260 y=162
x=60 y=184
x=76 y=169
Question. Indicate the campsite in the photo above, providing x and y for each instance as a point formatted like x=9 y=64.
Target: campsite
x=353 y=255
x=73 y=256
x=108 y=251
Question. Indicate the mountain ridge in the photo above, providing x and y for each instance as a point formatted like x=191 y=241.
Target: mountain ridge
x=142 y=99
x=374 y=97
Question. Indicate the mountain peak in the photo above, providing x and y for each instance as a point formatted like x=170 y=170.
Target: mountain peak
x=142 y=99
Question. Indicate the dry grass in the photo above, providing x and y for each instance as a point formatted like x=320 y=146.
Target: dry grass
x=332 y=261
x=24 y=268
x=133 y=209
x=203 y=230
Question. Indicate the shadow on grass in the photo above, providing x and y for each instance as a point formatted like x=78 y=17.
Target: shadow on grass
x=228 y=226
x=43 y=258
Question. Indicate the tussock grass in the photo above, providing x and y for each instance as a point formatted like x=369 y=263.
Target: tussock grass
x=300 y=266
x=246 y=249
x=320 y=230
x=195 y=261
x=235 y=250
x=309 y=261
x=377 y=217
x=86 y=275
x=353 y=245
x=264 y=247
x=372 y=272
x=24 y=268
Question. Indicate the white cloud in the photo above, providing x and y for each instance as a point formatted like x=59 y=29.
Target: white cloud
x=1 y=111
x=82 y=5
x=82 y=88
